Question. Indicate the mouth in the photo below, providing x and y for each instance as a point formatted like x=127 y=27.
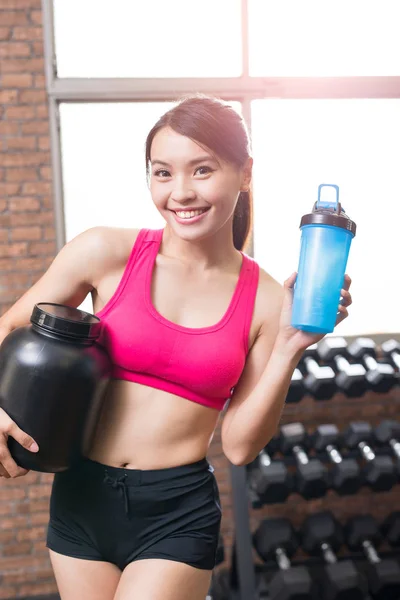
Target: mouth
x=190 y=216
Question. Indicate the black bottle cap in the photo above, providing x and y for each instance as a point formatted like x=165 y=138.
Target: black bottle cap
x=66 y=320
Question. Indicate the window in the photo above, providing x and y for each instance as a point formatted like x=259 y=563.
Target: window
x=317 y=81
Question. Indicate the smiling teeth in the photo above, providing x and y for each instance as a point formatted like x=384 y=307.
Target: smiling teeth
x=189 y=214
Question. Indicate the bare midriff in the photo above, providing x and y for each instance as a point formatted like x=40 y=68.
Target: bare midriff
x=146 y=428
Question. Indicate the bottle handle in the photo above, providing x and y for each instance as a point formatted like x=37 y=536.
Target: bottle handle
x=328 y=202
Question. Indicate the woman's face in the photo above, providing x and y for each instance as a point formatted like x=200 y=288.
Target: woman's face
x=195 y=191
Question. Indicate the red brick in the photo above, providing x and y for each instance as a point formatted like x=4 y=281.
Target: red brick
x=39 y=589
x=44 y=143
x=18 y=4
x=36 y=188
x=6 y=536
x=42 y=111
x=13 y=249
x=8 y=592
x=21 y=175
x=21 y=80
x=33 y=506
x=32 y=96
x=28 y=33
x=13 y=17
x=26 y=233
x=24 y=204
x=25 y=159
x=39 y=491
x=20 y=112
x=17 y=549
x=38 y=48
x=34 y=127
x=29 y=575
x=5 y=33
x=40 y=82
x=8 y=128
x=4 y=237
x=21 y=143
x=14 y=49
x=3 y=205
x=36 y=17
x=9 y=189
x=36 y=533
x=40 y=518
x=8 y=96
x=9 y=493
x=42 y=248
x=24 y=65
x=12 y=563
x=42 y=218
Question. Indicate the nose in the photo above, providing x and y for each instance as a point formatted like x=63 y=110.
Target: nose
x=182 y=192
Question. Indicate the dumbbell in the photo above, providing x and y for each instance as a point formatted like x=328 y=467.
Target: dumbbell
x=391 y=349
x=391 y=529
x=319 y=381
x=311 y=474
x=362 y=533
x=388 y=433
x=276 y=539
x=381 y=376
x=345 y=475
x=379 y=472
x=322 y=535
x=269 y=479
x=350 y=378
x=297 y=390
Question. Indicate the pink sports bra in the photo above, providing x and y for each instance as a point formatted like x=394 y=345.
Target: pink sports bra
x=200 y=364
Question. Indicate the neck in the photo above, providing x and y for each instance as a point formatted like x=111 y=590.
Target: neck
x=215 y=250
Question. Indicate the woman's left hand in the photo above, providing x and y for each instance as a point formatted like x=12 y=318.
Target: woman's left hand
x=300 y=340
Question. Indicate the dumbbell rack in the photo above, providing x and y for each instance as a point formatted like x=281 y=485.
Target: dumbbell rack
x=242 y=555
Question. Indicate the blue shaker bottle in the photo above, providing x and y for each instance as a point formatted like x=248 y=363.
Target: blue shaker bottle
x=326 y=235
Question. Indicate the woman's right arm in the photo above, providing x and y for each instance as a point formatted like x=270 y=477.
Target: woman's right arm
x=74 y=272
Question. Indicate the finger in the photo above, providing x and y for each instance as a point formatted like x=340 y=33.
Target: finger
x=22 y=438
x=9 y=464
x=342 y=314
x=290 y=281
x=4 y=473
x=345 y=299
x=347 y=282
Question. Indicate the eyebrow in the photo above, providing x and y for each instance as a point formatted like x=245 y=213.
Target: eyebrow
x=195 y=161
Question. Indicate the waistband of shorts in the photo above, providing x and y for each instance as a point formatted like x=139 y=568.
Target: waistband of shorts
x=139 y=476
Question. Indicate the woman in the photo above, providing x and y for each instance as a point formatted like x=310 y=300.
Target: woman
x=189 y=322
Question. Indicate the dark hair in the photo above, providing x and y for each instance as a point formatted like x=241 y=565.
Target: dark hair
x=217 y=126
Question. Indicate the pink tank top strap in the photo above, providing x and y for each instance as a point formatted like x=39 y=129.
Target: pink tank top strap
x=251 y=277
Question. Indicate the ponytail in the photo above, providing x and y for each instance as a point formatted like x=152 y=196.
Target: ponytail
x=242 y=218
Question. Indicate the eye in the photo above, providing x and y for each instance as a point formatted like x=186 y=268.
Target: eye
x=162 y=173
x=205 y=170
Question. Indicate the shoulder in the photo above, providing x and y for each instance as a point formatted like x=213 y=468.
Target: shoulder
x=104 y=249
x=268 y=303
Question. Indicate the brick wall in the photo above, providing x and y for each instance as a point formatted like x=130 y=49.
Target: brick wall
x=26 y=249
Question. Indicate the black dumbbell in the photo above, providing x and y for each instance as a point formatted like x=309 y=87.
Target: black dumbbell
x=319 y=381
x=388 y=433
x=311 y=474
x=362 y=533
x=379 y=472
x=350 y=378
x=345 y=475
x=381 y=376
x=391 y=349
x=269 y=479
x=276 y=539
x=391 y=529
x=296 y=391
x=322 y=535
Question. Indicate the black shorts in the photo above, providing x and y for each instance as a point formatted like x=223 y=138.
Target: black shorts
x=120 y=515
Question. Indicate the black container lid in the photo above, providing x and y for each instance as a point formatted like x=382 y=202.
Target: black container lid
x=66 y=320
x=329 y=212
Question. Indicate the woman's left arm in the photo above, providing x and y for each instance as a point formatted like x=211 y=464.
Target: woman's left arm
x=255 y=409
